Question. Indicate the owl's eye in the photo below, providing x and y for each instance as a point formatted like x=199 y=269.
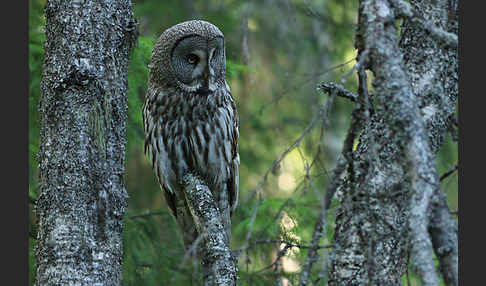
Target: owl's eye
x=192 y=59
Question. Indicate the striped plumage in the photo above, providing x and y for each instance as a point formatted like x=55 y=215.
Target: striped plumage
x=192 y=126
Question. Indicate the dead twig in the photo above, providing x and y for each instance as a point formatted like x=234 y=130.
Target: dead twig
x=448 y=173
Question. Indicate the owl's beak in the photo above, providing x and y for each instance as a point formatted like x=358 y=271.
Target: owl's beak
x=204 y=89
x=206 y=76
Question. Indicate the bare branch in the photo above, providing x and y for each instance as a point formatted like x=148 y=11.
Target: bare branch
x=295 y=144
x=340 y=90
x=148 y=214
x=245 y=51
x=286 y=91
x=280 y=241
x=252 y=221
x=192 y=251
x=448 y=173
x=323 y=115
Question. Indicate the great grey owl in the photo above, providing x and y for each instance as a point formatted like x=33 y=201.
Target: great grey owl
x=190 y=119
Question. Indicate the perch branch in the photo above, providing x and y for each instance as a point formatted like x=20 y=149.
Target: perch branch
x=219 y=265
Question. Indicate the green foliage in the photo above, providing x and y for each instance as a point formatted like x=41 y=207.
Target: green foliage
x=137 y=86
x=32 y=246
x=234 y=69
x=36 y=58
x=149 y=258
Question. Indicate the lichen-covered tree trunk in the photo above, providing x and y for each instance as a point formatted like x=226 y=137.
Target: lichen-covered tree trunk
x=83 y=109
x=392 y=209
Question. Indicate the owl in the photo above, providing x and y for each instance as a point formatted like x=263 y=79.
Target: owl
x=190 y=120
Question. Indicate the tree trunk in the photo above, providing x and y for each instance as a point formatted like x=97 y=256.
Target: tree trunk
x=83 y=109
x=392 y=208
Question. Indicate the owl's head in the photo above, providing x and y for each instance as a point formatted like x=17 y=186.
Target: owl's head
x=189 y=56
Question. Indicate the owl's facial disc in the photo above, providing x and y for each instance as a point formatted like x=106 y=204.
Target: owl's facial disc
x=203 y=74
x=196 y=62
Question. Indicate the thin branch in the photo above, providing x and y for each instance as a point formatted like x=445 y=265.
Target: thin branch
x=325 y=110
x=294 y=144
x=323 y=273
x=323 y=115
x=192 y=250
x=245 y=51
x=280 y=241
x=283 y=252
x=297 y=86
x=277 y=264
x=147 y=214
x=252 y=221
x=340 y=90
x=448 y=173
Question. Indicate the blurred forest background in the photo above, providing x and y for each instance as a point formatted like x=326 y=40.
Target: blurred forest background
x=278 y=51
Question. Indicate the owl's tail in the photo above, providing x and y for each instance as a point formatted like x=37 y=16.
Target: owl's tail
x=224 y=207
x=186 y=225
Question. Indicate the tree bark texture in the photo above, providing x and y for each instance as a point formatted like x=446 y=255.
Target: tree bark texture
x=392 y=207
x=83 y=109
x=219 y=267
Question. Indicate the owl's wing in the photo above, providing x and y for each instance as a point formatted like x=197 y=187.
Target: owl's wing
x=149 y=146
x=148 y=123
x=170 y=199
x=233 y=184
x=235 y=162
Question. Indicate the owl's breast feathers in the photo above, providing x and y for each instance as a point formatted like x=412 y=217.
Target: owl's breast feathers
x=193 y=133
